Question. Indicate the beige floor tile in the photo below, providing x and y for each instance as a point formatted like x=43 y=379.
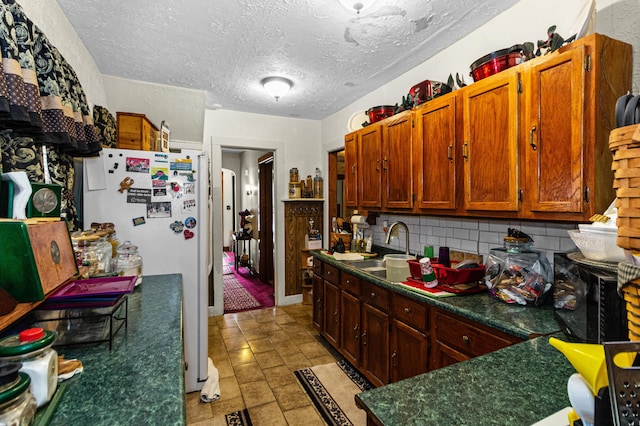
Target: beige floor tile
x=231 y=333
x=279 y=376
x=256 y=393
x=236 y=343
x=291 y=396
x=197 y=411
x=247 y=373
x=270 y=326
x=241 y=356
x=267 y=415
x=222 y=407
x=225 y=369
x=296 y=361
x=278 y=336
x=248 y=324
x=268 y=359
x=229 y=388
x=254 y=333
x=307 y=416
x=322 y=360
x=285 y=319
x=261 y=345
x=312 y=349
x=287 y=348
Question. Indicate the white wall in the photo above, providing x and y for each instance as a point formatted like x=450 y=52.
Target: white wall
x=294 y=142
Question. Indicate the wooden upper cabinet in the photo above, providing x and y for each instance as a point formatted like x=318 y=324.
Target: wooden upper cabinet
x=434 y=154
x=569 y=112
x=370 y=170
x=397 y=162
x=553 y=151
x=490 y=146
x=351 y=169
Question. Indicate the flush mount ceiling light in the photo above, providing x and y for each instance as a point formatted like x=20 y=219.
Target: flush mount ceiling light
x=277 y=86
x=357 y=5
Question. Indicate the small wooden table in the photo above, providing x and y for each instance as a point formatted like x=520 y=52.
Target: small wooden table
x=244 y=239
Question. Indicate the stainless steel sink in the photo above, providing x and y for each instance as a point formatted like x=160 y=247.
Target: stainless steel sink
x=374 y=267
x=369 y=263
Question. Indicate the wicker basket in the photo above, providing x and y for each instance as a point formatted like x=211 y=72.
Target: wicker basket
x=624 y=143
x=631 y=292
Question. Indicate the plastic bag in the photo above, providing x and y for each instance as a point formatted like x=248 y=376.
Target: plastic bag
x=523 y=278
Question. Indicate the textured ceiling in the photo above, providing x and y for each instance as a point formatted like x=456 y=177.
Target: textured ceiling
x=225 y=47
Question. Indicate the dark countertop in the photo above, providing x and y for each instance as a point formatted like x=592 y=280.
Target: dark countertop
x=518 y=385
x=141 y=380
x=520 y=321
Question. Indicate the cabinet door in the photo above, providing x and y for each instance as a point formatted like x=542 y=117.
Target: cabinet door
x=490 y=143
x=318 y=291
x=434 y=154
x=375 y=345
x=350 y=328
x=370 y=161
x=443 y=355
x=331 y=319
x=351 y=169
x=396 y=162
x=408 y=351
x=553 y=152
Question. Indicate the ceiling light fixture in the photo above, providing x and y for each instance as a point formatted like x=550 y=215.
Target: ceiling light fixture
x=357 y=5
x=277 y=86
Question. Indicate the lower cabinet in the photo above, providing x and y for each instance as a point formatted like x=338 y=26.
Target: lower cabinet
x=375 y=345
x=458 y=339
x=388 y=336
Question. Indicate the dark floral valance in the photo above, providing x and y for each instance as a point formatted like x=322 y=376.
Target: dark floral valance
x=40 y=95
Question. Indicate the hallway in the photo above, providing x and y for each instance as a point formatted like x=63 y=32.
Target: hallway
x=256 y=353
x=242 y=289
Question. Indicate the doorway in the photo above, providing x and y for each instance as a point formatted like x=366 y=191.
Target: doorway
x=265 y=219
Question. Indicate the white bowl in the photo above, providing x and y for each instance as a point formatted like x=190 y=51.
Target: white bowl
x=598 y=246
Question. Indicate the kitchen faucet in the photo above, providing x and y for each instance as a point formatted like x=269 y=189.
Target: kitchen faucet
x=393 y=225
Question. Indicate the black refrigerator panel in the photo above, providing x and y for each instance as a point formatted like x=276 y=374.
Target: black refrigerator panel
x=587 y=305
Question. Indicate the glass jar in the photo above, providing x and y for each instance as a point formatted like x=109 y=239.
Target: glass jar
x=128 y=262
x=106 y=256
x=86 y=250
x=517 y=245
x=17 y=404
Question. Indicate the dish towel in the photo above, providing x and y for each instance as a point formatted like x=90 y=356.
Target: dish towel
x=211 y=390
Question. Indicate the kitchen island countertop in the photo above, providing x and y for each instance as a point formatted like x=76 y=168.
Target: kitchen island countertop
x=141 y=380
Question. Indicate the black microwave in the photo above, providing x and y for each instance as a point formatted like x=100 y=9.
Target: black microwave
x=587 y=306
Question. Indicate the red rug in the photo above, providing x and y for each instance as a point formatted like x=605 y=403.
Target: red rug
x=236 y=297
x=260 y=291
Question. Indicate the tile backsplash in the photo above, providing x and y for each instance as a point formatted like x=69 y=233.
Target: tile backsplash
x=470 y=235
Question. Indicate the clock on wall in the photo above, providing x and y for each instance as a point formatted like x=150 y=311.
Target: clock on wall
x=45 y=200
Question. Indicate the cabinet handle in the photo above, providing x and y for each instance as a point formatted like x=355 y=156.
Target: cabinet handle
x=465 y=147
x=394 y=357
x=335 y=316
x=531 y=143
x=449 y=150
x=353 y=169
x=407 y=310
x=355 y=332
x=377 y=165
x=364 y=338
x=466 y=339
x=384 y=164
x=373 y=295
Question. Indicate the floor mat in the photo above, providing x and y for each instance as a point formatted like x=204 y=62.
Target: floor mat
x=236 y=297
x=239 y=418
x=332 y=388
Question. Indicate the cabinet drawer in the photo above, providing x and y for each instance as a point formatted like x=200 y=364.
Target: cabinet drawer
x=330 y=273
x=374 y=295
x=317 y=267
x=410 y=312
x=471 y=339
x=350 y=283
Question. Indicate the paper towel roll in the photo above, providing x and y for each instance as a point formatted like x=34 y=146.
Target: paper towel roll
x=359 y=220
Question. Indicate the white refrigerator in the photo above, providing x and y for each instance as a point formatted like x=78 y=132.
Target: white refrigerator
x=160 y=202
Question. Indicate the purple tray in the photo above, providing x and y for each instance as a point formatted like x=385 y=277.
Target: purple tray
x=94 y=287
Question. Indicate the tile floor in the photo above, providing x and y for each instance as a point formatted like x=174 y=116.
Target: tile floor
x=256 y=353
